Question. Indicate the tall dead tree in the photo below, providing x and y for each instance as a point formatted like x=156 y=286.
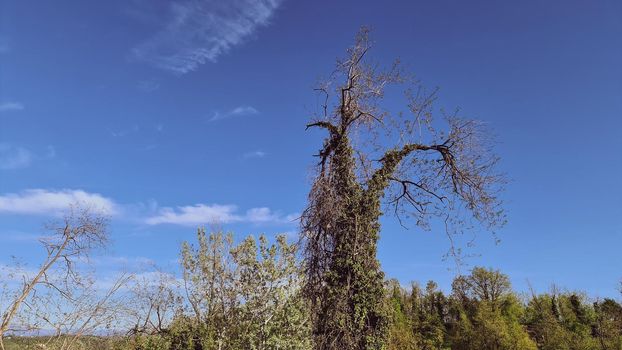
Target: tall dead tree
x=426 y=174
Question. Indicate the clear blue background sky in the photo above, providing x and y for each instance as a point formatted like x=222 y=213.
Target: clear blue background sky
x=173 y=112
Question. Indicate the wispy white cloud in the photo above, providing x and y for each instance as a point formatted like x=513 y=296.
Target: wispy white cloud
x=262 y=215
x=243 y=110
x=48 y=202
x=236 y=112
x=149 y=85
x=124 y=132
x=198 y=31
x=14 y=157
x=17 y=157
x=255 y=154
x=201 y=214
x=147 y=148
x=10 y=105
x=195 y=215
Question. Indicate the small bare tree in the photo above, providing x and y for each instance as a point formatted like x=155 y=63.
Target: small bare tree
x=84 y=309
x=156 y=299
x=81 y=230
x=425 y=174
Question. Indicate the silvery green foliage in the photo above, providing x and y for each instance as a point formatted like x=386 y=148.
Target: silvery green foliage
x=244 y=296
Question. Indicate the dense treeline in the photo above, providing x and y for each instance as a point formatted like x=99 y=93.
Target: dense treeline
x=482 y=312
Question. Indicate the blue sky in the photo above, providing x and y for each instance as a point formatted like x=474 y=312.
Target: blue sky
x=172 y=113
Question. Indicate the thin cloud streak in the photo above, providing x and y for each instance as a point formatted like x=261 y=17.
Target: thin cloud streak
x=254 y=154
x=53 y=203
x=14 y=157
x=124 y=132
x=201 y=214
x=11 y=106
x=199 y=31
x=150 y=85
x=236 y=112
